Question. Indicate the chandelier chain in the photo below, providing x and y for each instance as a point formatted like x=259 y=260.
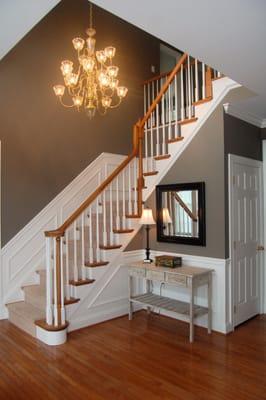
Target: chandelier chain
x=90 y=15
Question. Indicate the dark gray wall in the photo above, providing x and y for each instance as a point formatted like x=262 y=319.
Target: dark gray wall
x=44 y=146
x=204 y=160
x=263 y=133
x=241 y=139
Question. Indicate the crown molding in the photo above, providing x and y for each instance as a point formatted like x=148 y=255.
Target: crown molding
x=251 y=118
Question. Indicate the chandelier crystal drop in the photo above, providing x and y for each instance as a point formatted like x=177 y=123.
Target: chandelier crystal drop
x=94 y=85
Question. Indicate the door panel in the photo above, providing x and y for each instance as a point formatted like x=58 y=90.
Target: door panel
x=246 y=205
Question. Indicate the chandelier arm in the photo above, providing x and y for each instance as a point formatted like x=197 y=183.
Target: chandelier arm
x=66 y=105
x=116 y=105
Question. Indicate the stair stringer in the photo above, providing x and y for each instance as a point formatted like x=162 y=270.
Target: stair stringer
x=80 y=315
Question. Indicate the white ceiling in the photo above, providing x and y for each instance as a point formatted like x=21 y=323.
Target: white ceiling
x=18 y=17
x=228 y=35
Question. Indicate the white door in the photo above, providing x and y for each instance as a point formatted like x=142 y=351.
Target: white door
x=246 y=214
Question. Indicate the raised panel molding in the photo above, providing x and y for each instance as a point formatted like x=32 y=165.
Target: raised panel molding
x=25 y=252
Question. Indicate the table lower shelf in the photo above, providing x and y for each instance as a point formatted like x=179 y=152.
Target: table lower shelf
x=165 y=303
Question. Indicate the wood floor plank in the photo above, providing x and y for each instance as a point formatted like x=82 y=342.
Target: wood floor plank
x=149 y=358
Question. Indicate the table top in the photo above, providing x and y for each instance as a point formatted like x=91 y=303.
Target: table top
x=183 y=270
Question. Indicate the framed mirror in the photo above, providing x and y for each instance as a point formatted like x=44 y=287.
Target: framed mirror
x=181 y=213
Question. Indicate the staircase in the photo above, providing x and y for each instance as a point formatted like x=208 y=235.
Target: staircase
x=82 y=255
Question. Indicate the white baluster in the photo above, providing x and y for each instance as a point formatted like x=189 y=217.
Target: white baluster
x=76 y=273
x=56 y=320
x=49 y=283
x=176 y=106
x=152 y=144
x=153 y=98
x=111 y=214
x=149 y=103
x=196 y=81
x=157 y=131
x=189 y=88
x=117 y=204
x=219 y=74
x=98 y=251
x=90 y=236
x=83 y=268
x=123 y=201
x=169 y=113
x=164 y=130
x=63 y=314
x=157 y=123
x=129 y=190
x=146 y=149
x=67 y=265
x=182 y=93
x=135 y=186
x=104 y=218
x=203 y=81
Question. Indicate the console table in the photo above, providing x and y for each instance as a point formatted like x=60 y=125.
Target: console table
x=185 y=276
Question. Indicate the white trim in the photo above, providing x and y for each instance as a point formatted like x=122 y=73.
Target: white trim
x=236 y=111
x=51 y=338
x=254 y=163
x=264 y=199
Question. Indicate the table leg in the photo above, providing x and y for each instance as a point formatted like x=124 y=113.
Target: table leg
x=148 y=290
x=210 y=304
x=191 y=314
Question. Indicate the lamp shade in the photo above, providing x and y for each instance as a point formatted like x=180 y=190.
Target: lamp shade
x=147 y=217
x=166 y=216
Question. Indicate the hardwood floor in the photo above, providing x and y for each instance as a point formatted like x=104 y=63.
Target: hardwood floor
x=146 y=358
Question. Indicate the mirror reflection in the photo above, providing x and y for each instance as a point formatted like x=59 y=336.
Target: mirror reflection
x=180 y=213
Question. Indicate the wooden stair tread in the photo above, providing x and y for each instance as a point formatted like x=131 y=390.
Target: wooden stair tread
x=81 y=282
x=96 y=264
x=202 y=101
x=162 y=157
x=150 y=173
x=123 y=230
x=132 y=216
x=176 y=139
x=187 y=121
x=110 y=246
x=72 y=300
x=51 y=328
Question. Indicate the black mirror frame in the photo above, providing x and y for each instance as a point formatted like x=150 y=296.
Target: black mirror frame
x=200 y=187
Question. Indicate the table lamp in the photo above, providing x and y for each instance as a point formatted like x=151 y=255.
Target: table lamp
x=147 y=220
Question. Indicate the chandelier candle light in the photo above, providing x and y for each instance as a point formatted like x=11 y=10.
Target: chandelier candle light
x=95 y=84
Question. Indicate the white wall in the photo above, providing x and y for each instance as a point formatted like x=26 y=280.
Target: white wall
x=18 y=17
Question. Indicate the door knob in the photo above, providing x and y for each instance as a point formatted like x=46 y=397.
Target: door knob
x=260 y=248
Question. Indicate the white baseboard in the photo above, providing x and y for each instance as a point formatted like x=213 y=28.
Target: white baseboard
x=100 y=313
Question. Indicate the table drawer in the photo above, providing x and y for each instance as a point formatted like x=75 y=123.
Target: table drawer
x=176 y=279
x=155 y=275
x=138 y=272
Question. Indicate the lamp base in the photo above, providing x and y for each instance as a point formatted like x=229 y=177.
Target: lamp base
x=148 y=261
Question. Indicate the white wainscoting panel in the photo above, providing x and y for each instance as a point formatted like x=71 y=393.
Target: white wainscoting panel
x=25 y=252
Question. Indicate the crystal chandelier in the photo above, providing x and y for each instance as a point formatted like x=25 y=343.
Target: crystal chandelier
x=95 y=84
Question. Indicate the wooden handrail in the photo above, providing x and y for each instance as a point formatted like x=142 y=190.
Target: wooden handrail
x=162 y=91
x=163 y=74
x=61 y=230
x=185 y=207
